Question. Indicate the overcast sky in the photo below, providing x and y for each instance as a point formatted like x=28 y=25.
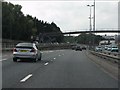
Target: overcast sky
x=72 y=15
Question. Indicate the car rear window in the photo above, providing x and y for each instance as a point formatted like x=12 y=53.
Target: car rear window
x=24 y=47
x=25 y=44
x=114 y=47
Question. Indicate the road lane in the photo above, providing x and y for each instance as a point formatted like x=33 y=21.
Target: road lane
x=70 y=69
x=12 y=72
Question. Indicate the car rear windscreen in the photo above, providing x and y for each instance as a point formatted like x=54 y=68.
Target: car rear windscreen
x=26 y=47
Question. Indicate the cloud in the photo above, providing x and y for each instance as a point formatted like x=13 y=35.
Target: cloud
x=72 y=15
x=107 y=16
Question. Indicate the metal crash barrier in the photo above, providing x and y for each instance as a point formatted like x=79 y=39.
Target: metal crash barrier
x=114 y=57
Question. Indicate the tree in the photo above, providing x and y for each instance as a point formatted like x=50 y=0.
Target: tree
x=88 y=39
x=17 y=26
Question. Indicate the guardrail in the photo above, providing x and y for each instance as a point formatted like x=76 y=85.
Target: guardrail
x=111 y=53
x=115 y=58
x=54 y=46
x=8 y=46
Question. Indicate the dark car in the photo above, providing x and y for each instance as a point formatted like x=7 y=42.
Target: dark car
x=73 y=47
x=83 y=48
x=78 y=48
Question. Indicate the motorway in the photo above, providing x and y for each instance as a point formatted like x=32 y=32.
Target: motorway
x=57 y=69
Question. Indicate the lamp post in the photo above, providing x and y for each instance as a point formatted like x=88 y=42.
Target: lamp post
x=90 y=23
x=90 y=16
x=94 y=17
x=94 y=25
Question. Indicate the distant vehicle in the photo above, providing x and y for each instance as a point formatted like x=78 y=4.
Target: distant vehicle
x=78 y=48
x=73 y=47
x=83 y=48
x=26 y=51
x=114 y=49
x=106 y=47
x=109 y=48
x=98 y=49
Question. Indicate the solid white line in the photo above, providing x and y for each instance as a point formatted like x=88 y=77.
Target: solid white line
x=26 y=78
x=46 y=64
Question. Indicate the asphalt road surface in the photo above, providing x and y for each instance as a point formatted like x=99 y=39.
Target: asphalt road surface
x=57 y=69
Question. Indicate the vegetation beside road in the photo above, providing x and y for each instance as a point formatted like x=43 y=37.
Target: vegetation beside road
x=17 y=26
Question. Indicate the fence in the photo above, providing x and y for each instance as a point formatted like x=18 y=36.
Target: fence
x=9 y=44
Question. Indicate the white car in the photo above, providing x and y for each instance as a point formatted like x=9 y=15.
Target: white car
x=98 y=49
x=109 y=48
x=106 y=47
x=114 y=49
x=26 y=51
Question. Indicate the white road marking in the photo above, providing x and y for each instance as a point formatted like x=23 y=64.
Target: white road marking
x=54 y=58
x=26 y=78
x=59 y=55
x=46 y=51
x=46 y=63
x=3 y=59
x=50 y=51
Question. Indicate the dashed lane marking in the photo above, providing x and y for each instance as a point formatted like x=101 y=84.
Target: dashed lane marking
x=46 y=51
x=26 y=78
x=46 y=64
x=3 y=60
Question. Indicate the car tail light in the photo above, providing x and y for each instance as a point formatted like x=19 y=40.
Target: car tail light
x=14 y=50
x=33 y=50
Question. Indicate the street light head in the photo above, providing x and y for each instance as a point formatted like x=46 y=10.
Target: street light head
x=90 y=5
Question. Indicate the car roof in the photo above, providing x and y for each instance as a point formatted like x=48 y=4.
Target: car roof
x=25 y=44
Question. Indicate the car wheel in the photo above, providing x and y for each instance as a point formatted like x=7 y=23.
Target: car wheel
x=14 y=59
x=40 y=57
x=36 y=59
